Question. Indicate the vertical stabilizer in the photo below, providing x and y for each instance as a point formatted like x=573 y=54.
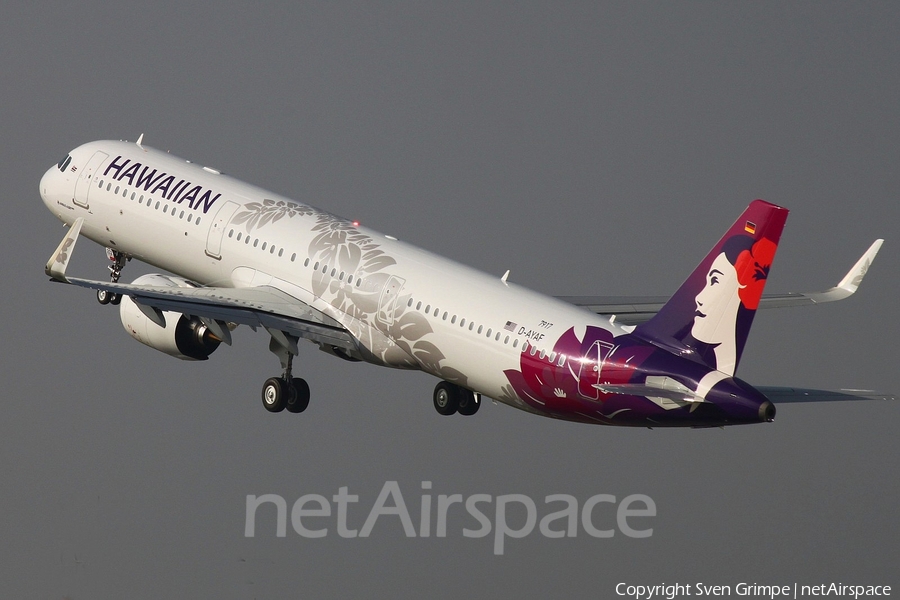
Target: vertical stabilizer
x=713 y=309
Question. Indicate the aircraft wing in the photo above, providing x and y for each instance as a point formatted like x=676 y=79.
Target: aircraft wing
x=633 y=310
x=268 y=307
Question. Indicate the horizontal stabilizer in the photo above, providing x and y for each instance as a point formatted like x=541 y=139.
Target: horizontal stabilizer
x=782 y=395
x=654 y=387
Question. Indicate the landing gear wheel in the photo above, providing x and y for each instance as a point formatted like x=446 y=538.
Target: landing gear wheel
x=446 y=398
x=299 y=400
x=275 y=394
x=468 y=403
x=104 y=297
x=116 y=299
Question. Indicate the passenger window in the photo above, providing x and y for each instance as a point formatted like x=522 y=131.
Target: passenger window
x=256 y=242
x=280 y=252
x=181 y=216
x=272 y=250
x=198 y=221
x=428 y=309
x=480 y=328
x=462 y=322
x=488 y=334
x=444 y=318
x=418 y=306
x=263 y=246
x=117 y=189
x=238 y=235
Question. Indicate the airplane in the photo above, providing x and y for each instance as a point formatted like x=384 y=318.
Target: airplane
x=237 y=254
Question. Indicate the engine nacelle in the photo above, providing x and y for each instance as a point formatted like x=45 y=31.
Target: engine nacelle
x=183 y=336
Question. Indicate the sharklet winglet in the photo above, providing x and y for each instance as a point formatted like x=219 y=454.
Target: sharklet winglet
x=59 y=261
x=854 y=277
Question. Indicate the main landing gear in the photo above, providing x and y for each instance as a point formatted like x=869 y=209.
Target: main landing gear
x=286 y=391
x=117 y=260
x=450 y=398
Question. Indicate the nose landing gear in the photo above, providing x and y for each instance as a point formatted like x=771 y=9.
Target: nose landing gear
x=117 y=260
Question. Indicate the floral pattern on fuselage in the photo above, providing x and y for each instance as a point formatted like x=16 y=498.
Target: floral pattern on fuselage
x=353 y=277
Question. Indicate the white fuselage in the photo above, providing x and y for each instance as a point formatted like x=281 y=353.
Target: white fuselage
x=408 y=308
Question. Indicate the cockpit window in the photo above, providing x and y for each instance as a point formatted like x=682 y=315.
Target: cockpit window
x=64 y=163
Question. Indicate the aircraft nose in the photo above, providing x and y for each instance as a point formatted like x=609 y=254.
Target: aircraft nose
x=46 y=184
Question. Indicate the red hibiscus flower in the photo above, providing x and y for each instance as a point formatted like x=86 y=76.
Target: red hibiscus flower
x=752 y=268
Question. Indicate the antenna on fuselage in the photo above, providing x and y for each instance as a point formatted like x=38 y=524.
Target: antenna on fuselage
x=505 y=277
x=139 y=140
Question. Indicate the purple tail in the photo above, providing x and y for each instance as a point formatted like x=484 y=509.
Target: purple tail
x=712 y=311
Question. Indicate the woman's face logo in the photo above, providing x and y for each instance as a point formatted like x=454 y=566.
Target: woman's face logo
x=717 y=304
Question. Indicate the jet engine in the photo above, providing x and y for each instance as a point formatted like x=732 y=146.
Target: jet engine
x=183 y=337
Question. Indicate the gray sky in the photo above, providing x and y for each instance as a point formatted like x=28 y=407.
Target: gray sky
x=590 y=149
